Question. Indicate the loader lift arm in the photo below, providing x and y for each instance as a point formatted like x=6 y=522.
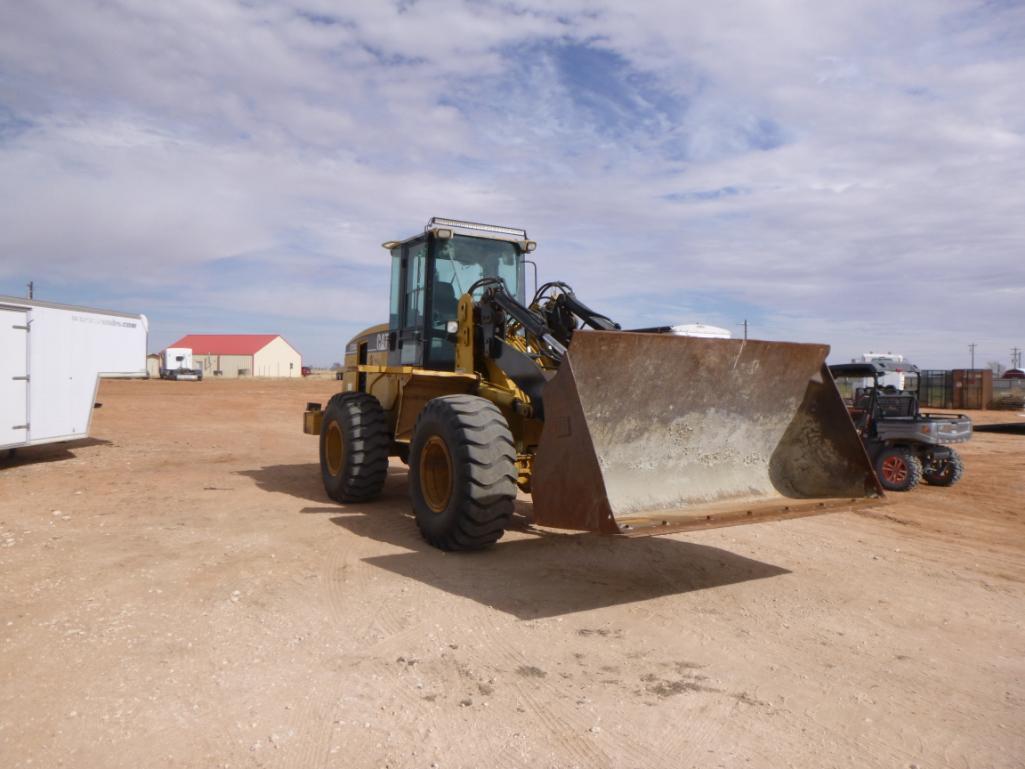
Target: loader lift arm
x=552 y=316
x=559 y=306
x=497 y=295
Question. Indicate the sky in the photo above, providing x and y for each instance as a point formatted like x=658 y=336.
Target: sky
x=845 y=172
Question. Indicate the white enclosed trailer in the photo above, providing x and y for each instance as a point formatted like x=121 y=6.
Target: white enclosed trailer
x=52 y=357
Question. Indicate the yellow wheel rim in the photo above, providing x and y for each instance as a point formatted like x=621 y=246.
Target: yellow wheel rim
x=334 y=448
x=436 y=474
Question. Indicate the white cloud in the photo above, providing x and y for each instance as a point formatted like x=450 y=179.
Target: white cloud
x=871 y=156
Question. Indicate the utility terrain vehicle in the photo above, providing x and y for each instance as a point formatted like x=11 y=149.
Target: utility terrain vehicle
x=905 y=444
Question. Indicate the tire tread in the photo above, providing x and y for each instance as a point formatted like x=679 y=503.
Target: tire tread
x=368 y=443
x=937 y=479
x=484 y=449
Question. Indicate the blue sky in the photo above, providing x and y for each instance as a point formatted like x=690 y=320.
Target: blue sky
x=849 y=173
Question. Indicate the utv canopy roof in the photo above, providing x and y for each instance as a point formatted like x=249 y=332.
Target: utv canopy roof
x=871 y=369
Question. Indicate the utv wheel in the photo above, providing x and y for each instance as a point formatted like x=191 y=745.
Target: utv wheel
x=354 y=443
x=898 y=469
x=948 y=473
x=462 y=473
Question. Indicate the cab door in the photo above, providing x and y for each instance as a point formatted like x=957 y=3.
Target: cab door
x=409 y=278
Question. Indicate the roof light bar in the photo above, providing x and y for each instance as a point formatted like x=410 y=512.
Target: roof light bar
x=438 y=221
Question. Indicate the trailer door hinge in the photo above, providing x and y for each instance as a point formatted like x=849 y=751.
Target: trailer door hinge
x=20 y=427
x=20 y=378
x=23 y=328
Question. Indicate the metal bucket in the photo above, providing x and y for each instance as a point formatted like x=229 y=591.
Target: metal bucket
x=649 y=433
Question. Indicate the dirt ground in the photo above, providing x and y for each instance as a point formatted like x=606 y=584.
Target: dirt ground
x=178 y=592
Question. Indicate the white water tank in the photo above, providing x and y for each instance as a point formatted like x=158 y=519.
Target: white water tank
x=701 y=330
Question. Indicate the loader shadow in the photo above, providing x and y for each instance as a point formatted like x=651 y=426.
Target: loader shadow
x=47 y=452
x=303 y=481
x=531 y=573
x=547 y=574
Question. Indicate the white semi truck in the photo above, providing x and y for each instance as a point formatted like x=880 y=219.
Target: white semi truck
x=176 y=363
x=897 y=371
x=52 y=357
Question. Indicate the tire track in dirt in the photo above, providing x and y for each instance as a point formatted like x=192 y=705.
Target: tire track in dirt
x=565 y=731
x=675 y=746
x=343 y=594
x=573 y=731
x=354 y=588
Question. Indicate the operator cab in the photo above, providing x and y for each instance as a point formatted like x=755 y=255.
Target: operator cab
x=432 y=271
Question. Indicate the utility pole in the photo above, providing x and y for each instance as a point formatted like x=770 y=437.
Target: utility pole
x=31 y=287
x=745 y=329
x=1015 y=357
x=971 y=348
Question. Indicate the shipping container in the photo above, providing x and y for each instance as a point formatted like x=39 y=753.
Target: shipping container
x=973 y=388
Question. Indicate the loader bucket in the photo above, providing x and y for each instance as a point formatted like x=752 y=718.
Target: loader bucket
x=650 y=433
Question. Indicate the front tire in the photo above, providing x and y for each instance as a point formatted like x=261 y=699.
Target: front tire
x=948 y=472
x=898 y=469
x=354 y=443
x=462 y=473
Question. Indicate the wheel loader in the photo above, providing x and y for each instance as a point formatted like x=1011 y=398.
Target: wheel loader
x=484 y=391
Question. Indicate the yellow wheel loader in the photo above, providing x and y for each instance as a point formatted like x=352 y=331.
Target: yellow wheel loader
x=482 y=391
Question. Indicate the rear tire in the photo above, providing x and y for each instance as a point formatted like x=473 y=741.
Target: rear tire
x=898 y=469
x=462 y=473
x=949 y=472
x=354 y=444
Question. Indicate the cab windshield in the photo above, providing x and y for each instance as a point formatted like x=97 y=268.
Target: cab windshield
x=459 y=262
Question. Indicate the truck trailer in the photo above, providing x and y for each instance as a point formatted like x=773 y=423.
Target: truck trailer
x=52 y=357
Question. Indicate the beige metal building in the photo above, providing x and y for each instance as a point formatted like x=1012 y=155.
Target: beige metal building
x=239 y=355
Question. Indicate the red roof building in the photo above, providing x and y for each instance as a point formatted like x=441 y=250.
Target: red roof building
x=238 y=355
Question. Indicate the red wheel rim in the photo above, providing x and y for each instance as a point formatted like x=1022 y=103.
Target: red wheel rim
x=895 y=470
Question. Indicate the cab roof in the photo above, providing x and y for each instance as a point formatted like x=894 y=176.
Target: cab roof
x=461 y=227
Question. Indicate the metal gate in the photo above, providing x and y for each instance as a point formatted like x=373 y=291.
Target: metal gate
x=13 y=377
x=936 y=389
